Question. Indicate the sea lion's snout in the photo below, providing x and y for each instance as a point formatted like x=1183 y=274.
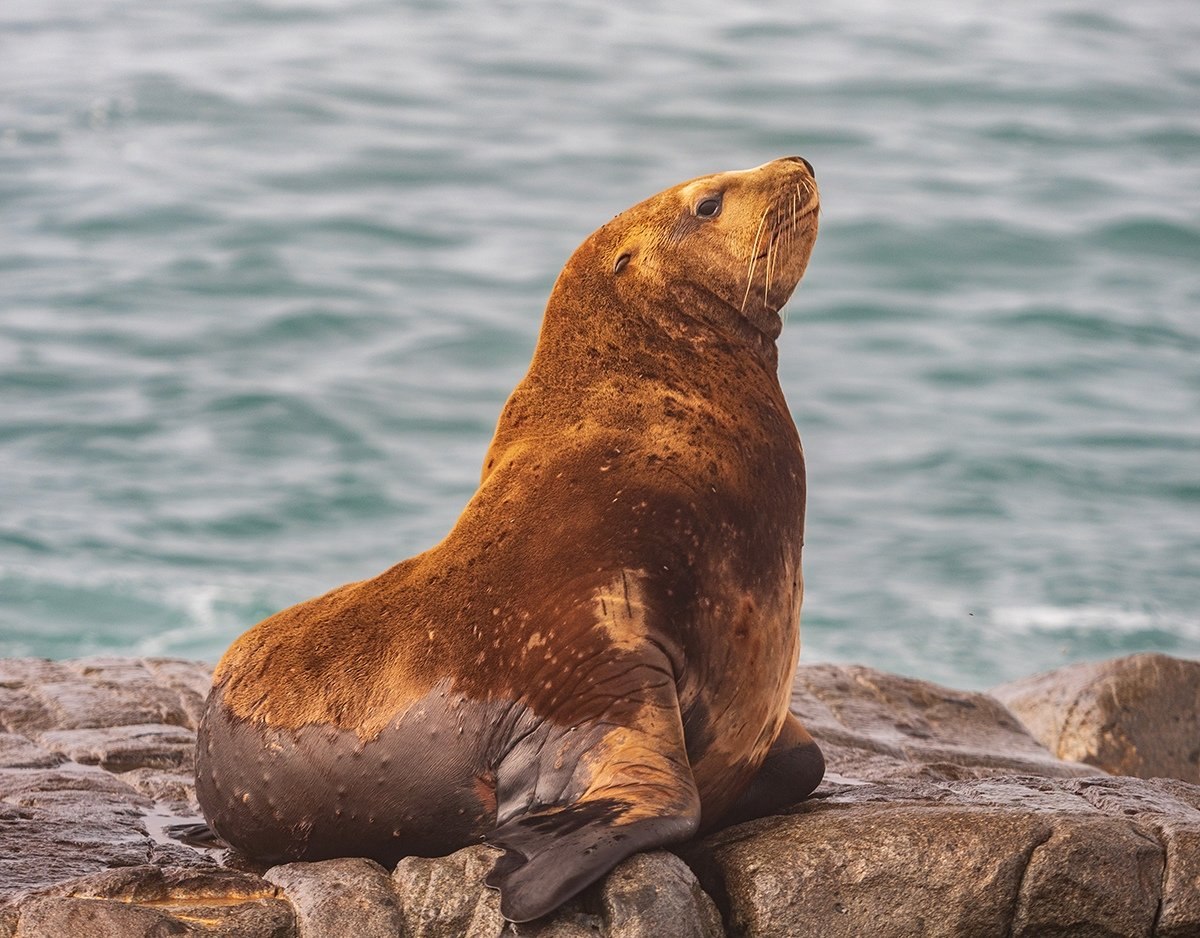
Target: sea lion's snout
x=807 y=165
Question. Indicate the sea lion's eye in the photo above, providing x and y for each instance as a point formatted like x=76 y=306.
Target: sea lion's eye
x=709 y=207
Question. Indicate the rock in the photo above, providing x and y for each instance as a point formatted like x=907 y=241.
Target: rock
x=57 y=917
x=340 y=897
x=82 y=786
x=100 y=692
x=72 y=820
x=981 y=857
x=17 y=671
x=876 y=726
x=656 y=895
x=175 y=788
x=650 y=895
x=190 y=679
x=62 y=815
x=65 y=822
x=20 y=710
x=446 y=895
x=1091 y=876
x=941 y=815
x=1170 y=812
x=1138 y=715
x=123 y=748
x=36 y=849
x=17 y=752
x=152 y=902
x=88 y=693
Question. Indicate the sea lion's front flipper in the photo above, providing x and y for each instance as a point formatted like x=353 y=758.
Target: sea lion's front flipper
x=793 y=768
x=628 y=787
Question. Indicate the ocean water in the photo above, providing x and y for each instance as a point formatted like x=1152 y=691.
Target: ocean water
x=269 y=269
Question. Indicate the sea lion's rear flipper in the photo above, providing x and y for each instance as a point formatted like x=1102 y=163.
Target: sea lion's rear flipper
x=629 y=787
x=195 y=834
x=793 y=768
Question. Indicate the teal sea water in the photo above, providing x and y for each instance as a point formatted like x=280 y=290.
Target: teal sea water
x=269 y=269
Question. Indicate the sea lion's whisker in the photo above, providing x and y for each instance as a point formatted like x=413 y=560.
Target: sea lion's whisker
x=770 y=260
x=754 y=256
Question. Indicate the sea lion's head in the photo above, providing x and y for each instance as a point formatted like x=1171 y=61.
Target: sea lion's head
x=734 y=245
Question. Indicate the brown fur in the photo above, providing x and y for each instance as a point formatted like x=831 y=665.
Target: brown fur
x=632 y=555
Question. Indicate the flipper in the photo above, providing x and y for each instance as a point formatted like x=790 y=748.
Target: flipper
x=793 y=768
x=197 y=835
x=552 y=856
x=628 y=787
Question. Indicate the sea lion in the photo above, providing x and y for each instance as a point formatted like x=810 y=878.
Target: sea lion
x=597 y=658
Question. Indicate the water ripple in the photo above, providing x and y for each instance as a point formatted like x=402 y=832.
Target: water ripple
x=272 y=268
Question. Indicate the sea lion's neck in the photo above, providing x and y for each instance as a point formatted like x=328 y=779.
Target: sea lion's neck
x=607 y=342
x=595 y=326
x=698 y=306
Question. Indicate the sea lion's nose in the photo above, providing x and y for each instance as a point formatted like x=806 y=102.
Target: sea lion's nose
x=807 y=164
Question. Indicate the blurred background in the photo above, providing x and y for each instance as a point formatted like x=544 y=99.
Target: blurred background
x=269 y=269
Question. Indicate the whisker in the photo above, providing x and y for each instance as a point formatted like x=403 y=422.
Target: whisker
x=770 y=259
x=754 y=257
x=794 y=198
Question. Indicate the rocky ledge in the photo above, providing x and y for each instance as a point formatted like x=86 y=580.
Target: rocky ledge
x=942 y=814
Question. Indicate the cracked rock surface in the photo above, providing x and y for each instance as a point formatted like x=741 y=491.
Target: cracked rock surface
x=941 y=815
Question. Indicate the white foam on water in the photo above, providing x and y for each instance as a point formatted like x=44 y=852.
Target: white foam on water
x=1020 y=620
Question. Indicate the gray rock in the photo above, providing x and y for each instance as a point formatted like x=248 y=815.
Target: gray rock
x=650 y=895
x=190 y=679
x=62 y=823
x=656 y=895
x=1138 y=715
x=920 y=828
x=76 y=705
x=876 y=726
x=21 y=710
x=84 y=694
x=37 y=850
x=1017 y=856
x=123 y=748
x=446 y=895
x=39 y=786
x=57 y=833
x=1168 y=811
x=177 y=789
x=18 y=752
x=17 y=671
x=340 y=897
x=152 y=901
